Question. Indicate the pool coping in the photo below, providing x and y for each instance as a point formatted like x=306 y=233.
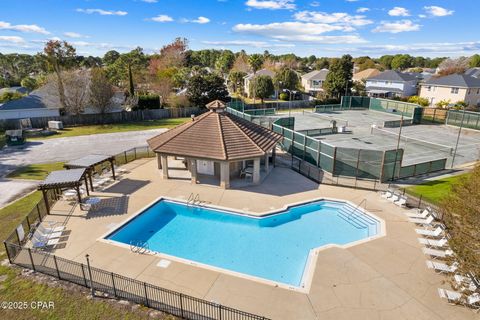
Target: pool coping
x=310 y=264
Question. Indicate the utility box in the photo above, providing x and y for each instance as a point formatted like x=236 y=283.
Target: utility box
x=14 y=137
x=58 y=125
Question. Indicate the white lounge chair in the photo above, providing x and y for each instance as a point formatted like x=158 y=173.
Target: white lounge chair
x=402 y=201
x=51 y=228
x=436 y=253
x=42 y=243
x=394 y=197
x=426 y=222
x=417 y=214
x=442 y=267
x=472 y=300
x=387 y=194
x=464 y=283
x=38 y=234
x=430 y=233
x=433 y=242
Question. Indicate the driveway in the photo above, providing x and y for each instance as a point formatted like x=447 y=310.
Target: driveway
x=61 y=149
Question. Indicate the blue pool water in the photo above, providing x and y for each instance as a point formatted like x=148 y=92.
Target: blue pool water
x=275 y=247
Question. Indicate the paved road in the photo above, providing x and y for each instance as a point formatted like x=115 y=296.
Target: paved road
x=62 y=149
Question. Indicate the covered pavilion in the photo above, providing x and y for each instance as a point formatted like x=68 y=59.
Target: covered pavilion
x=89 y=162
x=217 y=145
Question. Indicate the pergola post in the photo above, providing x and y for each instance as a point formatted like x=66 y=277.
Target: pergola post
x=86 y=186
x=78 y=194
x=90 y=179
x=274 y=155
x=45 y=198
x=164 y=167
x=225 y=174
x=193 y=170
x=256 y=170
x=113 y=167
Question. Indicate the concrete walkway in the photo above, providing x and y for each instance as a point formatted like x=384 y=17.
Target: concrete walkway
x=61 y=149
x=384 y=278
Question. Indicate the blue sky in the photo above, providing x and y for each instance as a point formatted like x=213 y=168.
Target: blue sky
x=323 y=27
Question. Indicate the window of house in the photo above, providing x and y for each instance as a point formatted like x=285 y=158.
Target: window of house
x=454 y=90
x=429 y=88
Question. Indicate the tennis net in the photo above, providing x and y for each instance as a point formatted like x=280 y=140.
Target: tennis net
x=340 y=122
x=413 y=141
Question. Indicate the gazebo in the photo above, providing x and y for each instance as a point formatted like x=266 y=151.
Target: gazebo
x=89 y=162
x=217 y=144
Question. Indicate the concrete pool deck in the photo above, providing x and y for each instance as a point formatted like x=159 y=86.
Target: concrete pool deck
x=385 y=278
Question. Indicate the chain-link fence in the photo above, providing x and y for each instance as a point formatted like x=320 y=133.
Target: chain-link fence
x=465 y=119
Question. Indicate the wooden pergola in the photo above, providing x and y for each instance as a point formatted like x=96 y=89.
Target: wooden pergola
x=89 y=162
x=58 y=180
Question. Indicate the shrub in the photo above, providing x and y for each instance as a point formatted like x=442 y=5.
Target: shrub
x=419 y=100
x=283 y=96
x=148 y=101
x=29 y=83
x=9 y=96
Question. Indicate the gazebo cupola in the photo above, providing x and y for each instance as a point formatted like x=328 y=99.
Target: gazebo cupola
x=218 y=144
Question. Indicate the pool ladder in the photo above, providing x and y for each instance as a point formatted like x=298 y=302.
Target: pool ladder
x=194 y=199
x=138 y=246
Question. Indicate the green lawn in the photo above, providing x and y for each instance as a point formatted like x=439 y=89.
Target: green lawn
x=110 y=128
x=435 y=190
x=35 y=171
x=2 y=139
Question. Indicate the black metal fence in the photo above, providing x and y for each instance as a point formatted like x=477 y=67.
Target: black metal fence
x=121 y=287
x=108 y=118
x=115 y=285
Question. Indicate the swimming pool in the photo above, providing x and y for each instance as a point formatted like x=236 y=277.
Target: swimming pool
x=275 y=247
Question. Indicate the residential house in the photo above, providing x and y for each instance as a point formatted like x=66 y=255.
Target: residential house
x=365 y=74
x=313 y=81
x=454 y=87
x=391 y=83
x=248 y=78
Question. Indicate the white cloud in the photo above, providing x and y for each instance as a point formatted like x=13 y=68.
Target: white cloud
x=271 y=4
x=161 y=18
x=299 y=32
x=452 y=48
x=398 y=12
x=201 y=20
x=103 y=12
x=33 y=28
x=13 y=39
x=437 y=11
x=248 y=43
x=422 y=16
x=363 y=9
x=397 y=26
x=315 y=4
x=74 y=35
x=337 y=18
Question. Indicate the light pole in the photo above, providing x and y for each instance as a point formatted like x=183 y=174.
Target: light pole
x=290 y=100
x=398 y=146
x=458 y=137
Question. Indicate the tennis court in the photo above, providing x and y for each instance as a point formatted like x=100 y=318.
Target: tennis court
x=421 y=143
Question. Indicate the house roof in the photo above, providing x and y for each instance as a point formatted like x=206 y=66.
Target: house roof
x=38 y=99
x=367 y=73
x=21 y=90
x=216 y=104
x=392 y=75
x=382 y=89
x=216 y=136
x=316 y=75
x=262 y=72
x=455 y=80
x=474 y=72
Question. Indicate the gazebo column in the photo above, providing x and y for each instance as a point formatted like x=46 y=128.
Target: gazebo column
x=193 y=170
x=274 y=155
x=267 y=160
x=164 y=167
x=159 y=161
x=225 y=174
x=256 y=170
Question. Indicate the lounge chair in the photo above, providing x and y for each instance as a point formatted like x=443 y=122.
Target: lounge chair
x=402 y=201
x=51 y=228
x=472 y=300
x=49 y=235
x=464 y=283
x=427 y=221
x=430 y=233
x=42 y=243
x=442 y=267
x=394 y=197
x=387 y=194
x=417 y=214
x=436 y=253
x=433 y=242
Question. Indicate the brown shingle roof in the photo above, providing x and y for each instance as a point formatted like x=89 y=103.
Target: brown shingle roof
x=216 y=136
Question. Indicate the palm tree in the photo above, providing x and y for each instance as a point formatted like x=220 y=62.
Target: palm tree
x=255 y=61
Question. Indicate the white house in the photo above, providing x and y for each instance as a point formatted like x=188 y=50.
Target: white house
x=392 y=83
x=313 y=81
x=250 y=77
x=37 y=104
x=453 y=88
